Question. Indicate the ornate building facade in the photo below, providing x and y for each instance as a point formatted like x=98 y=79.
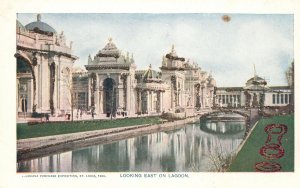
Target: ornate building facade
x=111 y=85
x=115 y=86
x=255 y=93
x=190 y=86
x=44 y=69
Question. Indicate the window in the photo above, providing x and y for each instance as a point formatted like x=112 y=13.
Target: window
x=274 y=99
x=278 y=98
x=285 y=98
x=281 y=98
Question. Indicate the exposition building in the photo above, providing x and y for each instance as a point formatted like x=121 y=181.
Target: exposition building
x=256 y=93
x=44 y=68
x=47 y=82
x=111 y=85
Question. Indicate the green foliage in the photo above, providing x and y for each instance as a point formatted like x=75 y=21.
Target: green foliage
x=249 y=155
x=248 y=98
x=261 y=100
x=255 y=101
x=56 y=128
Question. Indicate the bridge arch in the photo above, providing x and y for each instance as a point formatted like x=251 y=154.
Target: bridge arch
x=242 y=112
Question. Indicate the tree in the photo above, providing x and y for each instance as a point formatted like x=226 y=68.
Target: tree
x=290 y=79
x=255 y=101
x=67 y=83
x=248 y=98
x=261 y=100
x=214 y=96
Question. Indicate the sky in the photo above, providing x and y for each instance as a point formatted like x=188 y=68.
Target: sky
x=227 y=50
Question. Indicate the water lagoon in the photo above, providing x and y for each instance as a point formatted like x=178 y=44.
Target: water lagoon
x=188 y=149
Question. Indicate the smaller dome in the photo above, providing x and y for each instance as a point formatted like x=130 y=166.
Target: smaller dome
x=40 y=27
x=150 y=75
x=256 y=83
x=256 y=80
x=110 y=50
x=211 y=80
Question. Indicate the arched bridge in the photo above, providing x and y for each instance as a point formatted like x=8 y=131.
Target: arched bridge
x=248 y=113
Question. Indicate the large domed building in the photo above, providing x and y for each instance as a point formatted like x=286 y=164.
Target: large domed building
x=255 y=93
x=44 y=63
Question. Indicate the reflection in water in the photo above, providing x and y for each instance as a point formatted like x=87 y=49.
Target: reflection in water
x=185 y=149
x=222 y=127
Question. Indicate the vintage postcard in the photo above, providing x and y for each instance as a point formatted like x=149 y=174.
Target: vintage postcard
x=86 y=104
x=159 y=96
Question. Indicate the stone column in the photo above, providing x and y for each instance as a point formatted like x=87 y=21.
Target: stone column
x=148 y=101
x=180 y=101
x=101 y=100
x=96 y=96
x=55 y=92
x=242 y=98
x=234 y=100
x=162 y=101
x=204 y=96
x=137 y=101
x=125 y=91
x=157 y=107
x=279 y=98
x=58 y=87
x=35 y=90
x=201 y=97
x=39 y=89
x=89 y=92
x=29 y=95
x=172 y=98
x=193 y=94
x=120 y=99
x=130 y=95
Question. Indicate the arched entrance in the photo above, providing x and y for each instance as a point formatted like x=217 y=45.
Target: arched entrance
x=109 y=96
x=26 y=77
